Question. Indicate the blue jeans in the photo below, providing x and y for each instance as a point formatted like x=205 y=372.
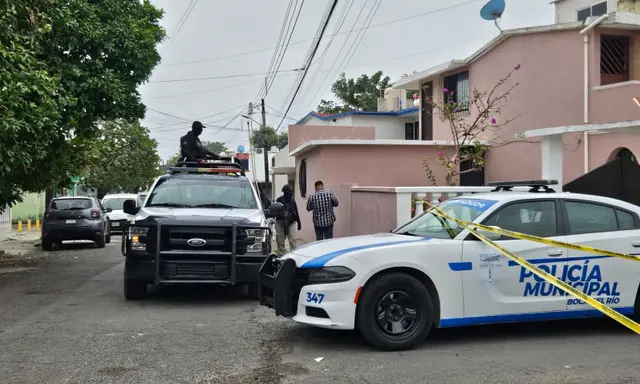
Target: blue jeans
x=324 y=232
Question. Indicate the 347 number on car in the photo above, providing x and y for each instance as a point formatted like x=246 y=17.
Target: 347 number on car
x=315 y=297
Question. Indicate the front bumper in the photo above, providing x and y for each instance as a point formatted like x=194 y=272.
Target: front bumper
x=283 y=287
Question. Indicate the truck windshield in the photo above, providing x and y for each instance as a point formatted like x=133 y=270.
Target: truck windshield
x=431 y=225
x=115 y=203
x=202 y=192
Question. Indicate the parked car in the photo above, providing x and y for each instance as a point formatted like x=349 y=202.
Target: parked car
x=116 y=215
x=75 y=218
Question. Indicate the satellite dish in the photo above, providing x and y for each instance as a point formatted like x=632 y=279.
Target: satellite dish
x=493 y=11
x=241 y=149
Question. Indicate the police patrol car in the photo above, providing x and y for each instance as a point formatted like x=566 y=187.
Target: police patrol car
x=394 y=287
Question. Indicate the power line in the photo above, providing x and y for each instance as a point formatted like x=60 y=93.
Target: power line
x=205 y=91
x=167 y=114
x=183 y=19
x=339 y=33
x=203 y=118
x=219 y=77
x=306 y=69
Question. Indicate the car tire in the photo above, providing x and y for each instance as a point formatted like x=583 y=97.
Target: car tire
x=101 y=240
x=406 y=305
x=47 y=244
x=107 y=238
x=134 y=289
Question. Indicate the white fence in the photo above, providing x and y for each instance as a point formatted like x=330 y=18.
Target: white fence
x=5 y=224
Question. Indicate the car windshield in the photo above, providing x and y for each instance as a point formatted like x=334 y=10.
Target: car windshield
x=70 y=204
x=115 y=203
x=431 y=225
x=202 y=192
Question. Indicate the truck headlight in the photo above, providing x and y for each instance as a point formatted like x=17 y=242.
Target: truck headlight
x=138 y=238
x=328 y=275
x=256 y=238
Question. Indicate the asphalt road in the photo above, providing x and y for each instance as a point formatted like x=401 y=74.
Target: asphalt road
x=65 y=321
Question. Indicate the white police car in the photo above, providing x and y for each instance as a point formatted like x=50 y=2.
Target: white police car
x=394 y=287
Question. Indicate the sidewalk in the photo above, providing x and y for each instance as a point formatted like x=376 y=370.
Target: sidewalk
x=20 y=243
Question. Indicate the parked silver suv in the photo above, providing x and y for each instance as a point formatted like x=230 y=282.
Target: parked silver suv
x=75 y=218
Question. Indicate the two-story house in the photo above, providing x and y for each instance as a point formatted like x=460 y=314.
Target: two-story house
x=582 y=71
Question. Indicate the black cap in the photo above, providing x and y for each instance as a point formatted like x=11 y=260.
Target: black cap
x=197 y=124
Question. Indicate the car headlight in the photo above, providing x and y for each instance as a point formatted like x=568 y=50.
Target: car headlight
x=256 y=238
x=329 y=275
x=138 y=238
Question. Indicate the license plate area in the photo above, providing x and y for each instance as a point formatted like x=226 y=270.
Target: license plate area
x=115 y=224
x=70 y=221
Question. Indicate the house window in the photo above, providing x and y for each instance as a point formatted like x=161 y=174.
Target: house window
x=594 y=10
x=459 y=85
x=411 y=131
x=614 y=59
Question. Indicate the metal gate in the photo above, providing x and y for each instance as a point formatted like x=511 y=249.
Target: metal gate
x=618 y=179
x=5 y=223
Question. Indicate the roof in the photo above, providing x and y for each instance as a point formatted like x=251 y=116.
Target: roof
x=413 y=81
x=326 y=117
x=627 y=126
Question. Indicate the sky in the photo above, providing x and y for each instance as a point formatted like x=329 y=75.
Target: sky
x=217 y=54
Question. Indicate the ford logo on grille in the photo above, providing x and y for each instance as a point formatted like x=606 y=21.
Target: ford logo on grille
x=196 y=242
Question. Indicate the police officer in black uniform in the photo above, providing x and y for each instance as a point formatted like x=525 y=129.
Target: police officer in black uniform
x=191 y=149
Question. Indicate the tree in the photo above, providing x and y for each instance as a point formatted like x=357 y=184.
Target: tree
x=64 y=66
x=267 y=137
x=126 y=160
x=483 y=121
x=359 y=94
x=214 y=146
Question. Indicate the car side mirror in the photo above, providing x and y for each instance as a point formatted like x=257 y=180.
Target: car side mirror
x=493 y=236
x=108 y=210
x=130 y=207
x=275 y=210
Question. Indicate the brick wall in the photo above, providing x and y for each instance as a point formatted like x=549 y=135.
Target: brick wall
x=5 y=224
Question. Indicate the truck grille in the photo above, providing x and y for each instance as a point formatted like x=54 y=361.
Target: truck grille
x=215 y=239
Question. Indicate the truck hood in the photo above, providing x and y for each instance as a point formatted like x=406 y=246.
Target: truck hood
x=318 y=253
x=118 y=215
x=204 y=214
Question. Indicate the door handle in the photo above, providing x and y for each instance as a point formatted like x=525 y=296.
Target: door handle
x=635 y=244
x=555 y=252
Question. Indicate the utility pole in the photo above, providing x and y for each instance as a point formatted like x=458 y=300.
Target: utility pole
x=267 y=181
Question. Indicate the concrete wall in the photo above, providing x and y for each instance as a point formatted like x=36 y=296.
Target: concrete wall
x=300 y=134
x=32 y=206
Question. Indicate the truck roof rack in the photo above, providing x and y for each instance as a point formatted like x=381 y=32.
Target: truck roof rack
x=223 y=165
x=535 y=185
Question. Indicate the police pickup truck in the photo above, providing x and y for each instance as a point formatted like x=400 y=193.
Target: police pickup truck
x=433 y=273
x=200 y=223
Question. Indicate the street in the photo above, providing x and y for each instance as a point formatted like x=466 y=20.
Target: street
x=64 y=320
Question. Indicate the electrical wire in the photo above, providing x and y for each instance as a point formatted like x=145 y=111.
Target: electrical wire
x=306 y=68
x=340 y=33
x=167 y=114
x=218 y=77
x=204 y=118
x=178 y=28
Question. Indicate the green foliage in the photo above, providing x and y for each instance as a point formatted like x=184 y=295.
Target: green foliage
x=267 y=137
x=64 y=65
x=471 y=122
x=214 y=146
x=359 y=94
x=126 y=160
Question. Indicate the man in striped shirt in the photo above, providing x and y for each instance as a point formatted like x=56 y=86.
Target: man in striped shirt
x=322 y=203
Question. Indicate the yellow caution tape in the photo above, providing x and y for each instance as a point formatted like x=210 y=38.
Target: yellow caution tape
x=627 y=322
x=542 y=240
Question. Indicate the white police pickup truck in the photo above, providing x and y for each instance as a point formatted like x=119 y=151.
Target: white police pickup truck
x=394 y=287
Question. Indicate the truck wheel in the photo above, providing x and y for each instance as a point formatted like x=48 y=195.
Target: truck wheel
x=47 y=244
x=107 y=238
x=134 y=289
x=395 y=312
x=101 y=240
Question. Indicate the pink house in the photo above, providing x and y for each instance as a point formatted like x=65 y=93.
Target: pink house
x=576 y=80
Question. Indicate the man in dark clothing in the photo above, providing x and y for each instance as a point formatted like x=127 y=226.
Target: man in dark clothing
x=286 y=225
x=322 y=203
x=191 y=149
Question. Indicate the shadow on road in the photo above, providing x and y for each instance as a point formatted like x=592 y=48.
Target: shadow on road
x=477 y=334
x=199 y=294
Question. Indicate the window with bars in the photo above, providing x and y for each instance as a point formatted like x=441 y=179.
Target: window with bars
x=459 y=85
x=614 y=59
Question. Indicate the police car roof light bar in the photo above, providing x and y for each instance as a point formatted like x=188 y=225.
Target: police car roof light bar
x=535 y=185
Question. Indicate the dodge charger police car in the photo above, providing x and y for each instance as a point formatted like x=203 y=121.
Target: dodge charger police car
x=395 y=287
